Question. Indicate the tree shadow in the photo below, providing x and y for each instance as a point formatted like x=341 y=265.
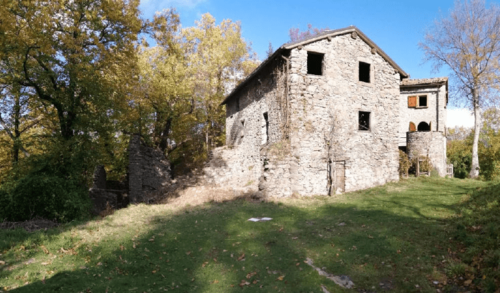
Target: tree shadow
x=214 y=248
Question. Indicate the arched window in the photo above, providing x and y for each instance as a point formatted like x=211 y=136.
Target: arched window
x=423 y=126
x=412 y=127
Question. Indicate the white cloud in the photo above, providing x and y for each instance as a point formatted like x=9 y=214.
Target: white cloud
x=460 y=118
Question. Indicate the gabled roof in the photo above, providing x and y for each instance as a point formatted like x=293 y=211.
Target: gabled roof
x=323 y=35
x=435 y=81
x=409 y=84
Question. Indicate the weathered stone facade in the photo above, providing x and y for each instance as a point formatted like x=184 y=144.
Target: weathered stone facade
x=148 y=171
x=312 y=127
x=433 y=113
x=430 y=144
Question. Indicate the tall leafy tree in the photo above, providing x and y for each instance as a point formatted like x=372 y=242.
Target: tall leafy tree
x=467 y=41
x=218 y=58
x=70 y=54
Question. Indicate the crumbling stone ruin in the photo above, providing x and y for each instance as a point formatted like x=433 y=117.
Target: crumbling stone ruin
x=148 y=176
x=327 y=115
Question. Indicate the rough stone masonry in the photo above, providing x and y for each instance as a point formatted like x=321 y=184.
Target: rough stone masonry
x=326 y=115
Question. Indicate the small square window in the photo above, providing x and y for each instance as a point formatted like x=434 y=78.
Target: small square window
x=364 y=72
x=422 y=101
x=315 y=63
x=364 y=121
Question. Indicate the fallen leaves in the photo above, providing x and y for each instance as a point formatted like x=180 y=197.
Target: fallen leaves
x=280 y=278
x=241 y=257
x=250 y=275
x=45 y=250
x=243 y=283
x=2 y=263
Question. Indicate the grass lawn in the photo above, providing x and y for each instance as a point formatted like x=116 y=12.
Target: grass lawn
x=397 y=237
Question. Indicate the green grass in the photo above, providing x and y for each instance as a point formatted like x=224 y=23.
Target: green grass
x=400 y=237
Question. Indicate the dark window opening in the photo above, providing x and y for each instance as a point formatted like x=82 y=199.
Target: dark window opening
x=422 y=101
x=364 y=120
x=265 y=137
x=315 y=63
x=242 y=128
x=364 y=72
x=423 y=126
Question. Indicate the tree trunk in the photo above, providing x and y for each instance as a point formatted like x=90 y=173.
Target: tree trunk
x=474 y=168
x=17 y=133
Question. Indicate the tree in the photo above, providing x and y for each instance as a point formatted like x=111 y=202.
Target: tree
x=69 y=54
x=218 y=58
x=17 y=118
x=467 y=41
x=270 y=50
x=297 y=35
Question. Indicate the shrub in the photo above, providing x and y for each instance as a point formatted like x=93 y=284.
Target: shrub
x=45 y=196
x=52 y=185
x=404 y=163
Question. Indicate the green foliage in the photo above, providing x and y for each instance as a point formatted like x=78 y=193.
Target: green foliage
x=459 y=153
x=404 y=163
x=52 y=185
x=46 y=196
x=425 y=164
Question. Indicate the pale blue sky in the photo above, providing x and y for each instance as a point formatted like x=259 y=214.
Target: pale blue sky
x=397 y=26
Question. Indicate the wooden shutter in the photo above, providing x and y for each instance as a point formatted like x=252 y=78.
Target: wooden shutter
x=412 y=127
x=412 y=102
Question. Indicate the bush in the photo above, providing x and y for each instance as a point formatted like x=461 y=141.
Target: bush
x=52 y=185
x=404 y=164
x=49 y=197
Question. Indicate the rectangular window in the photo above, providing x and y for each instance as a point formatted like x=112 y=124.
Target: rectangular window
x=364 y=120
x=315 y=63
x=364 y=71
x=422 y=101
x=265 y=129
x=242 y=128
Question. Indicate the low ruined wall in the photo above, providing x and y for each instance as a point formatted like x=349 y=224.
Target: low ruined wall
x=105 y=193
x=233 y=167
x=149 y=171
x=431 y=144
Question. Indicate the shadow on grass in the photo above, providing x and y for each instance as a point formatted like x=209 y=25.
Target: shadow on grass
x=213 y=248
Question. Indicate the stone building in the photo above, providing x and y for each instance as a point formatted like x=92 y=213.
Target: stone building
x=327 y=115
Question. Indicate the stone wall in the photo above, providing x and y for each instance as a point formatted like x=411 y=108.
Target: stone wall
x=275 y=164
x=105 y=193
x=148 y=176
x=431 y=144
x=233 y=167
x=318 y=119
x=148 y=171
x=324 y=114
x=238 y=165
